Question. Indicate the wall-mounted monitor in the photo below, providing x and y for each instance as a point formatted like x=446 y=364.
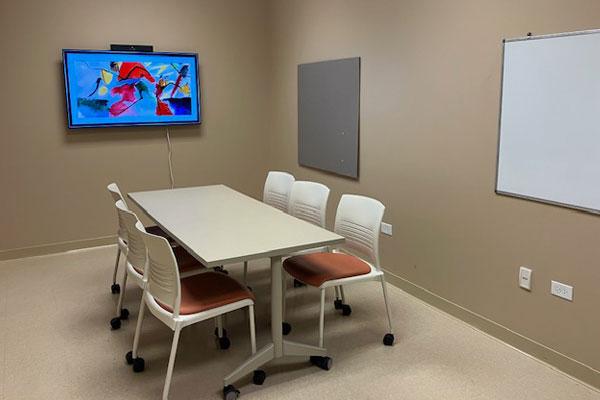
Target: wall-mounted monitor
x=113 y=88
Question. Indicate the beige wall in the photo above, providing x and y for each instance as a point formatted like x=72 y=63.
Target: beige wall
x=428 y=126
x=53 y=180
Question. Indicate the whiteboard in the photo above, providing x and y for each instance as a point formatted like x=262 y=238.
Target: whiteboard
x=549 y=143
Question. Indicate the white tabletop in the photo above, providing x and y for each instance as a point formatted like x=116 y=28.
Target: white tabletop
x=219 y=225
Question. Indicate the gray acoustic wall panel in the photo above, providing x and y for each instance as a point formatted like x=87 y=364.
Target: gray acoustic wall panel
x=328 y=113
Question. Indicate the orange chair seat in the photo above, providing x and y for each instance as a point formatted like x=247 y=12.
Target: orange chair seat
x=317 y=268
x=207 y=291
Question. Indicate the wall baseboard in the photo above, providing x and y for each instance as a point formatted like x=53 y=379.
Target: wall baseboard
x=577 y=370
x=52 y=248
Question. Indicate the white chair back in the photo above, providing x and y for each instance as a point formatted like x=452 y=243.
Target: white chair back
x=116 y=194
x=136 y=249
x=163 y=273
x=358 y=219
x=308 y=201
x=277 y=189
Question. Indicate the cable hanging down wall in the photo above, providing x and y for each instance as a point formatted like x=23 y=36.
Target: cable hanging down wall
x=170 y=152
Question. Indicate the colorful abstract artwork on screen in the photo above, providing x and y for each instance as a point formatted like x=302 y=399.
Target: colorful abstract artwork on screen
x=119 y=88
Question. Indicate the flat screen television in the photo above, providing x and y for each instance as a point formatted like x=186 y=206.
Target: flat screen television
x=114 y=88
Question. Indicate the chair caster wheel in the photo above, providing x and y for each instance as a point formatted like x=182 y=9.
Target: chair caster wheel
x=322 y=362
x=286 y=328
x=388 y=339
x=346 y=310
x=138 y=364
x=224 y=343
x=230 y=393
x=217 y=332
x=259 y=377
x=115 y=288
x=115 y=323
x=298 y=284
x=129 y=357
x=337 y=304
x=124 y=314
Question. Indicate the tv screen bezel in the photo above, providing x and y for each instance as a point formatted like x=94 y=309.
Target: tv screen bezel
x=65 y=52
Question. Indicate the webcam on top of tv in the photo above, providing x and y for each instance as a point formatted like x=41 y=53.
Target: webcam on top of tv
x=145 y=48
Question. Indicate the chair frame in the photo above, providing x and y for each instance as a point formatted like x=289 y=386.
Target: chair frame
x=125 y=214
x=376 y=274
x=174 y=320
x=115 y=192
x=275 y=198
x=353 y=247
x=308 y=202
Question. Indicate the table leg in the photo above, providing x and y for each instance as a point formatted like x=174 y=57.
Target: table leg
x=279 y=347
x=300 y=349
x=259 y=359
x=276 y=306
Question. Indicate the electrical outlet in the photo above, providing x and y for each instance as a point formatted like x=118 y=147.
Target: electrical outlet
x=561 y=290
x=525 y=278
x=386 y=228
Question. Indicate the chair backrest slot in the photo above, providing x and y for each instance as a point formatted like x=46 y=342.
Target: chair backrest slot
x=136 y=250
x=163 y=273
x=278 y=186
x=115 y=192
x=358 y=219
x=308 y=201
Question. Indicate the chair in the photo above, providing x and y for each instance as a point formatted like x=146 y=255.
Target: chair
x=135 y=254
x=308 y=202
x=276 y=194
x=115 y=192
x=358 y=219
x=182 y=302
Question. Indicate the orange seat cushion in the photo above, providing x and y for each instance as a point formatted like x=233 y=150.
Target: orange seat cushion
x=317 y=268
x=207 y=291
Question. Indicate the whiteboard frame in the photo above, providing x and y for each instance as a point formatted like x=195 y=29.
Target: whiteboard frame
x=517 y=195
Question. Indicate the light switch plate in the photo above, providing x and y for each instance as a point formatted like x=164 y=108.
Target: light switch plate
x=386 y=228
x=525 y=278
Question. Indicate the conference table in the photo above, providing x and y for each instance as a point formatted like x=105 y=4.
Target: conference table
x=220 y=226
